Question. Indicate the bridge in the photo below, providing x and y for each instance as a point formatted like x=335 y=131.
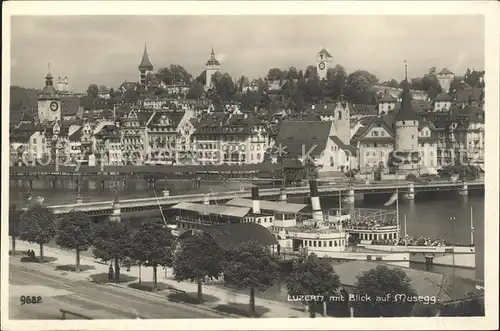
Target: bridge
x=348 y=190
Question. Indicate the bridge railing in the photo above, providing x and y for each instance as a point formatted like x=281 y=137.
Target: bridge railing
x=138 y=202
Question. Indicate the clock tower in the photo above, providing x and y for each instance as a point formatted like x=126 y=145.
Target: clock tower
x=323 y=60
x=49 y=103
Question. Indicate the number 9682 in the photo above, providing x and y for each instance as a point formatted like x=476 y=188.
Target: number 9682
x=30 y=299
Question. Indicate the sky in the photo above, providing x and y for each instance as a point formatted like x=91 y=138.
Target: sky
x=108 y=49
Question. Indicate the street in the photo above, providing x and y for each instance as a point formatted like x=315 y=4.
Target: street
x=85 y=298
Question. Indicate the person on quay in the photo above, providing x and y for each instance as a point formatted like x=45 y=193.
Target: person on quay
x=111 y=273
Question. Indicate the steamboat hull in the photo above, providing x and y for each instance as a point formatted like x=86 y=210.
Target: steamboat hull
x=465 y=256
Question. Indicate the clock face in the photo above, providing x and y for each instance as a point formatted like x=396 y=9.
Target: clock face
x=54 y=106
x=321 y=65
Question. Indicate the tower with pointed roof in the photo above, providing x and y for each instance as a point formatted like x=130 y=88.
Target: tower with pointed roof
x=323 y=62
x=145 y=67
x=211 y=67
x=406 y=127
x=49 y=102
x=445 y=77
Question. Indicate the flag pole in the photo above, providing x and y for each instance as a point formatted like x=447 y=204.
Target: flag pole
x=397 y=212
x=471 y=227
x=406 y=234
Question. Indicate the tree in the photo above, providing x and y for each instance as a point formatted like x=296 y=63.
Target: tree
x=391 y=83
x=251 y=266
x=242 y=81
x=275 y=74
x=198 y=258
x=197 y=91
x=315 y=277
x=224 y=86
x=93 y=90
x=335 y=82
x=180 y=75
x=37 y=225
x=358 y=86
x=383 y=282
x=152 y=246
x=292 y=73
x=202 y=78
x=112 y=242
x=165 y=75
x=75 y=231
x=311 y=72
x=14 y=219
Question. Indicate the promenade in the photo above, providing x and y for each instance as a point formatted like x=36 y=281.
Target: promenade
x=218 y=300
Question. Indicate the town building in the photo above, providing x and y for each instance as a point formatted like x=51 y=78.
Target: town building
x=211 y=67
x=442 y=102
x=316 y=142
x=27 y=143
x=104 y=92
x=107 y=145
x=134 y=140
x=386 y=103
x=323 y=63
x=62 y=85
x=402 y=132
x=230 y=139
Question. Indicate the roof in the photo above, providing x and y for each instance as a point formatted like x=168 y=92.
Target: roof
x=445 y=71
x=213 y=209
x=387 y=97
x=347 y=148
x=364 y=109
x=470 y=94
x=280 y=207
x=70 y=105
x=300 y=136
x=406 y=112
x=325 y=52
x=145 y=63
x=212 y=61
x=417 y=105
x=231 y=235
x=424 y=282
x=443 y=96
x=77 y=135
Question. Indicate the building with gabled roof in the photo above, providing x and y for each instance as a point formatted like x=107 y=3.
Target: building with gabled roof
x=230 y=139
x=317 y=142
x=445 y=77
x=323 y=63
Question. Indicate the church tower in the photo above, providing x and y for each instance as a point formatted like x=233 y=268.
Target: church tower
x=145 y=67
x=341 y=115
x=49 y=103
x=211 y=67
x=406 y=127
x=323 y=62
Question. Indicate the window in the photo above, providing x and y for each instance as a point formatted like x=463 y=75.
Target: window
x=330 y=243
x=335 y=243
x=310 y=243
x=251 y=147
x=382 y=133
x=374 y=133
x=319 y=243
x=314 y=243
x=258 y=156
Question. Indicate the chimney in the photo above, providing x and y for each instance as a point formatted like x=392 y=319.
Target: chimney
x=255 y=200
x=315 y=203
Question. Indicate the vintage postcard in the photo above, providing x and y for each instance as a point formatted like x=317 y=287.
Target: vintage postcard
x=250 y=165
